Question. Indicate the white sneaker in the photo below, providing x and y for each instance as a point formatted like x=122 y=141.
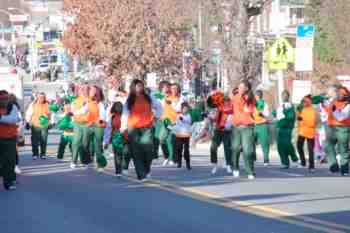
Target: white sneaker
x=118 y=175
x=266 y=164
x=228 y=169
x=235 y=174
x=17 y=170
x=73 y=165
x=100 y=169
x=144 y=180
x=125 y=172
x=165 y=162
x=149 y=176
x=111 y=155
x=251 y=177
x=214 y=170
x=171 y=163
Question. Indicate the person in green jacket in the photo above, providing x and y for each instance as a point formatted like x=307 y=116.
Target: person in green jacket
x=65 y=124
x=285 y=115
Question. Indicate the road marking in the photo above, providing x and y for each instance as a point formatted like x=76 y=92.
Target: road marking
x=246 y=207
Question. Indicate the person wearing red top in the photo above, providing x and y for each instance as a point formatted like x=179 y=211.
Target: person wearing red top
x=222 y=134
x=141 y=111
x=243 y=105
x=9 y=117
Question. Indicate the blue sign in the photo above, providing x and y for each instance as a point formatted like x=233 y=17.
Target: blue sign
x=306 y=31
x=7 y=30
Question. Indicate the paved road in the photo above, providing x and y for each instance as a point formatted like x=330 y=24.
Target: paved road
x=53 y=198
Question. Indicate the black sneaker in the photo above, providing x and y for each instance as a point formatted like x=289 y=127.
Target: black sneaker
x=10 y=187
x=43 y=157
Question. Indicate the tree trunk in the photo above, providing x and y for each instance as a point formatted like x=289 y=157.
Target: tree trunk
x=237 y=42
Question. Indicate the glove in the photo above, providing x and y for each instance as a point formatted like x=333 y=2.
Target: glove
x=168 y=102
x=50 y=126
x=181 y=118
x=261 y=115
x=27 y=126
x=105 y=146
x=70 y=114
x=299 y=118
x=204 y=115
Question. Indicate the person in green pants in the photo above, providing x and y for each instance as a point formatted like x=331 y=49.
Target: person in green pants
x=81 y=132
x=97 y=122
x=243 y=103
x=285 y=115
x=261 y=115
x=67 y=126
x=38 y=116
x=338 y=130
x=141 y=112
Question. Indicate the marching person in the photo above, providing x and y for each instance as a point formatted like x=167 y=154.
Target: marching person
x=183 y=131
x=81 y=132
x=9 y=117
x=96 y=121
x=141 y=111
x=243 y=104
x=261 y=115
x=121 y=155
x=67 y=126
x=285 y=124
x=337 y=132
x=172 y=108
x=307 y=124
x=38 y=117
x=222 y=134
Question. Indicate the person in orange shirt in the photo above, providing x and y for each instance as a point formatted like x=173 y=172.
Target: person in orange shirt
x=337 y=132
x=9 y=117
x=141 y=111
x=96 y=122
x=80 y=143
x=243 y=104
x=38 y=115
x=307 y=123
x=172 y=109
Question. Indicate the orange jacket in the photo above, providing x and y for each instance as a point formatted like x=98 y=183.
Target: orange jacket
x=141 y=115
x=38 y=111
x=307 y=125
x=242 y=113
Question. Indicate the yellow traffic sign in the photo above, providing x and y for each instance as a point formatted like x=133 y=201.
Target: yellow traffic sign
x=282 y=51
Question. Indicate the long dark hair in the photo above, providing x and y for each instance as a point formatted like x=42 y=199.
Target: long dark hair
x=249 y=92
x=132 y=94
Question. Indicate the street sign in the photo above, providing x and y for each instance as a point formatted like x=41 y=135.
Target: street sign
x=18 y=18
x=7 y=30
x=281 y=51
x=300 y=89
x=306 y=31
x=303 y=59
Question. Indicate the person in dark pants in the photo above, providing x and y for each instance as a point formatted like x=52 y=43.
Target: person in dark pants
x=141 y=111
x=38 y=116
x=307 y=123
x=9 y=117
x=183 y=135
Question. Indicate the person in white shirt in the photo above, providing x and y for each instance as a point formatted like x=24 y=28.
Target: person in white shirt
x=183 y=131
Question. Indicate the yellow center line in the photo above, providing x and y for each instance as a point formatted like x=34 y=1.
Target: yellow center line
x=247 y=207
